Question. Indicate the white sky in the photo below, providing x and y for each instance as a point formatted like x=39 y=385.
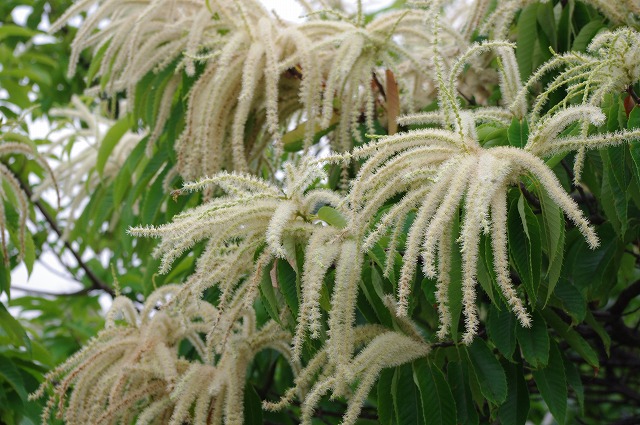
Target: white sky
x=48 y=275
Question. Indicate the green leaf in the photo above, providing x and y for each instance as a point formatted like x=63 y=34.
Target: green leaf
x=458 y=379
x=252 y=406
x=373 y=292
x=547 y=23
x=565 y=28
x=110 y=140
x=406 y=397
x=455 y=291
x=10 y=373
x=585 y=35
x=591 y=269
x=497 y=137
x=486 y=273
x=554 y=236
x=268 y=295
x=573 y=338
x=385 y=399
x=123 y=181
x=293 y=140
x=491 y=376
x=380 y=257
x=29 y=252
x=10 y=30
x=438 y=405
x=525 y=247
x=5 y=279
x=526 y=39
x=617 y=181
x=287 y=282
x=332 y=216
x=552 y=384
x=572 y=373
x=518 y=132
x=634 y=146
x=18 y=95
x=515 y=409
x=96 y=61
x=153 y=198
x=534 y=341
x=501 y=328
x=572 y=300
x=14 y=329
x=600 y=330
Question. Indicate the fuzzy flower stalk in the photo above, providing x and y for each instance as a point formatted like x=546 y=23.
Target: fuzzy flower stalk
x=439 y=170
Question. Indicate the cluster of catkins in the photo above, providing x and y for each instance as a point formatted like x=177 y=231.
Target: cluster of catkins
x=333 y=72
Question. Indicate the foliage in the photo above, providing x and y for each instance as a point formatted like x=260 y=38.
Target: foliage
x=328 y=196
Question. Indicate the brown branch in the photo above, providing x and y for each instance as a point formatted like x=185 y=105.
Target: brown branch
x=625 y=297
x=34 y=291
x=628 y=421
x=633 y=95
x=616 y=386
x=96 y=282
x=530 y=197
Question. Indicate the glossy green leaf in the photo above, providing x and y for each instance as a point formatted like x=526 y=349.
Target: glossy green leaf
x=110 y=140
x=617 y=180
x=552 y=384
x=459 y=383
x=293 y=141
x=572 y=300
x=577 y=342
x=406 y=397
x=9 y=373
x=534 y=341
x=572 y=372
x=585 y=35
x=332 y=216
x=501 y=327
x=491 y=375
x=554 y=237
x=515 y=409
x=634 y=146
x=526 y=39
x=97 y=61
x=153 y=199
x=268 y=295
x=438 y=405
x=386 y=414
x=600 y=330
x=518 y=132
x=29 y=252
x=547 y=24
x=565 y=30
x=486 y=273
x=9 y=30
x=252 y=406
x=525 y=245
x=373 y=292
x=455 y=291
x=287 y=279
x=590 y=268
x=14 y=329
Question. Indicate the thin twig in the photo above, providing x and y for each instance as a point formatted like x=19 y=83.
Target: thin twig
x=34 y=291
